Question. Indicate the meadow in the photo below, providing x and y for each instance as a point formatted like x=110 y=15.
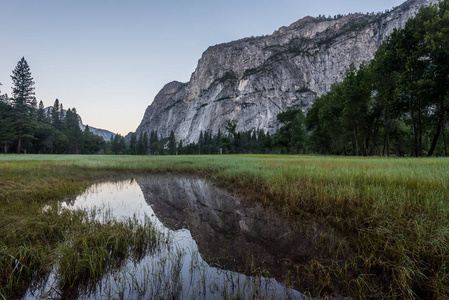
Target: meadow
x=387 y=218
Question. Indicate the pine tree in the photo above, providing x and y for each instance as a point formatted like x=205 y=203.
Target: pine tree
x=55 y=113
x=22 y=101
x=6 y=125
x=118 y=145
x=122 y=145
x=146 y=143
x=61 y=117
x=154 y=143
x=180 y=148
x=141 y=145
x=23 y=85
x=172 y=143
x=73 y=131
x=41 y=115
x=133 y=144
x=200 y=142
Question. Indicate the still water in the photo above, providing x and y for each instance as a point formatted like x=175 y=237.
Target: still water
x=216 y=245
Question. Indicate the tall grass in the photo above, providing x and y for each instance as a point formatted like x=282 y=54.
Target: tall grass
x=389 y=216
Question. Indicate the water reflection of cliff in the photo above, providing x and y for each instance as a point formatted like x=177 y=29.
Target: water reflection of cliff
x=228 y=231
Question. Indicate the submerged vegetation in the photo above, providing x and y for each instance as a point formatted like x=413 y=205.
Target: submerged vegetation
x=388 y=218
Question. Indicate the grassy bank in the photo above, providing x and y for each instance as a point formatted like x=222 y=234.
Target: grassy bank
x=389 y=216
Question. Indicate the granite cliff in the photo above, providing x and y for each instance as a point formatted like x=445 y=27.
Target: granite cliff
x=253 y=79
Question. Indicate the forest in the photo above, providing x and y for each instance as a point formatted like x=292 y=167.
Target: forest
x=395 y=105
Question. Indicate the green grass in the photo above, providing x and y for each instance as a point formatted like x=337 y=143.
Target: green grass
x=389 y=217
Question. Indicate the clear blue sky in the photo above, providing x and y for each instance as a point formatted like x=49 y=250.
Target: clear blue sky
x=109 y=58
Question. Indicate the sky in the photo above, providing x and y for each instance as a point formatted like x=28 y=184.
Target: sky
x=109 y=58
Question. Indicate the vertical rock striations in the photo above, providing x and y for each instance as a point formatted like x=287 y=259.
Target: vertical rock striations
x=253 y=79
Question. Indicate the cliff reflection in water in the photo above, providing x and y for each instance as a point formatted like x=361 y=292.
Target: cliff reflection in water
x=214 y=245
x=229 y=233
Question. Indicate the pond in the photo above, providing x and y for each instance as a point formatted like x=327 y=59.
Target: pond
x=216 y=245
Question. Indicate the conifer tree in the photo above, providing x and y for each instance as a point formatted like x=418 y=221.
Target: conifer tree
x=23 y=85
x=172 y=143
x=133 y=144
x=154 y=143
x=22 y=101
x=6 y=122
x=146 y=143
x=41 y=115
x=73 y=131
x=141 y=150
x=55 y=113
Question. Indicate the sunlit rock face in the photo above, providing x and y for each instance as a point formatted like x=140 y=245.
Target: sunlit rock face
x=253 y=79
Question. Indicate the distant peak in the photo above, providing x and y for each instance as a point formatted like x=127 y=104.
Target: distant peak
x=301 y=23
x=171 y=87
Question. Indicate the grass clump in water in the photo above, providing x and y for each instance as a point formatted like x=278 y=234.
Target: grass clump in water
x=38 y=237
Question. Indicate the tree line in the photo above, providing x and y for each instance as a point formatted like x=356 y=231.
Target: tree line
x=27 y=127
x=230 y=142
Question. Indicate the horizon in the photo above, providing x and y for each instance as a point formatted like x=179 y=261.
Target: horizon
x=110 y=61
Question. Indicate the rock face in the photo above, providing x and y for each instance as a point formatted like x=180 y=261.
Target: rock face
x=253 y=79
x=103 y=133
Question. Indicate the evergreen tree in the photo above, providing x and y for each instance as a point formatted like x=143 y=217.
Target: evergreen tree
x=261 y=142
x=55 y=113
x=154 y=143
x=6 y=125
x=141 y=150
x=200 y=142
x=118 y=145
x=22 y=101
x=61 y=117
x=92 y=144
x=73 y=131
x=133 y=144
x=217 y=143
x=268 y=143
x=23 y=85
x=45 y=136
x=172 y=143
x=41 y=116
x=122 y=145
x=146 y=143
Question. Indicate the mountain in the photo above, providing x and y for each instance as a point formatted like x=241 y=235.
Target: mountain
x=253 y=79
x=105 y=134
